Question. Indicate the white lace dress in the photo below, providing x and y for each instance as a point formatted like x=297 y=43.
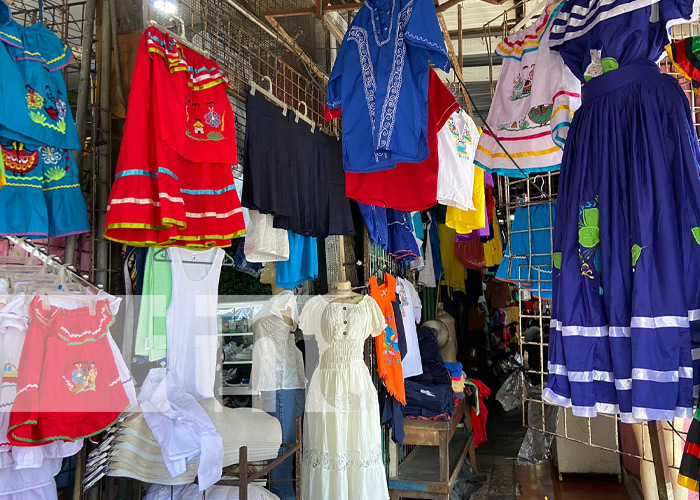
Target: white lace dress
x=342 y=434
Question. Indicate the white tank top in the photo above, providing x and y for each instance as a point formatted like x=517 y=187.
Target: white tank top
x=191 y=320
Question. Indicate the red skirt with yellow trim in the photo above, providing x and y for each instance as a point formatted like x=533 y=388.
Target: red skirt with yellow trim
x=174 y=184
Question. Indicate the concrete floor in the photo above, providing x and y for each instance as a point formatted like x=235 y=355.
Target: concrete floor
x=508 y=481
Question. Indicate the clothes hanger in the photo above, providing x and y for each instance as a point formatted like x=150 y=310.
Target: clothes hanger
x=536 y=9
x=254 y=87
x=305 y=116
x=162 y=256
x=180 y=38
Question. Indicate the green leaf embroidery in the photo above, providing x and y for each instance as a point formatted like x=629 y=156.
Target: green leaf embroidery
x=556 y=260
x=636 y=252
x=696 y=234
x=588 y=237
x=609 y=64
x=591 y=217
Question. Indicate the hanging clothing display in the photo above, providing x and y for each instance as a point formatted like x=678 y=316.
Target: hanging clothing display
x=302 y=264
x=14 y=321
x=409 y=186
x=455 y=274
x=493 y=249
x=292 y=173
x=627 y=250
x=387 y=345
x=191 y=320
x=535 y=97
x=174 y=184
x=79 y=390
x=386 y=53
x=457 y=141
x=278 y=373
x=428 y=275
x=277 y=363
x=264 y=242
x=41 y=189
x=684 y=56
x=466 y=221
x=689 y=472
x=527 y=262
x=411 y=309
x=151 y=332
x=342 y=433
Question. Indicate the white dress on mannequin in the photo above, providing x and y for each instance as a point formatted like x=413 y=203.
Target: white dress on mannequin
x=342 y=433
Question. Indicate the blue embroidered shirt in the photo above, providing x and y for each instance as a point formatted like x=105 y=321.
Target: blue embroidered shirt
x=380 y=79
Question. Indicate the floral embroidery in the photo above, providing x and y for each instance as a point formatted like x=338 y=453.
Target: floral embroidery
x=17 y=160
x=83 y=377
x=51 y=155
x=589 y=239
x=388 y=118
x=47 y=109
x=213 y=118
x=461 y=138
x=9 y=375
x=522 y=85
x=34 y=99
x=403 y=301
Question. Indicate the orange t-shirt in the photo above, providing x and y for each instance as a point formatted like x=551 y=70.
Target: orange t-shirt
x=387 y=344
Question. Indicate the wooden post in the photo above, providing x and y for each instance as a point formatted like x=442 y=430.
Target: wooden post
x=243 y=473
x=664 y=483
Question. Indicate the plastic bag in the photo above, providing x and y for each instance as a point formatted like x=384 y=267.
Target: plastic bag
x=511 y=393
x=536 y=444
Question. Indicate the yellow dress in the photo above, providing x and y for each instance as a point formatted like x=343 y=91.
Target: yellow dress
x=493 y=249
x=455 y=273
x=463 y=221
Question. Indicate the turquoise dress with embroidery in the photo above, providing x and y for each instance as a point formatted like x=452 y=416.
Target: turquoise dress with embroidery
x=38 y=137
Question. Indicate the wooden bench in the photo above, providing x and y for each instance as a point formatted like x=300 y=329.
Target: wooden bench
x=431 y=468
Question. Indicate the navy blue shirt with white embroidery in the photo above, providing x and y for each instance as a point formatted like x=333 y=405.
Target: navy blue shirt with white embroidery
x=380 y=80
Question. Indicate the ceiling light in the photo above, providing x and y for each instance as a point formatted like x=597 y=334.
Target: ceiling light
x=166 y=6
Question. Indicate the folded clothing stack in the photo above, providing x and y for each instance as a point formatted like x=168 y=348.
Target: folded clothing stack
x=428 y=401
x=135 y=453
x=434 y=371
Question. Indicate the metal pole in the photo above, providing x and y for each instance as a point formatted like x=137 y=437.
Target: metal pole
x=104 y=171
x=83 y=104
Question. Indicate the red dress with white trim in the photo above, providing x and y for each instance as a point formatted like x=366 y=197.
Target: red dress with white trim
x=174 y=184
